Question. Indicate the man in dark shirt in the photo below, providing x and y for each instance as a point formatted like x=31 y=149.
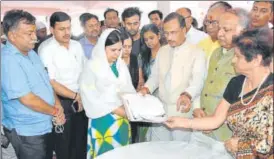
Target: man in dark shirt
x=131 y=21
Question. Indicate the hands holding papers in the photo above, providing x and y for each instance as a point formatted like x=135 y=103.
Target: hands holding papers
x=145 y=108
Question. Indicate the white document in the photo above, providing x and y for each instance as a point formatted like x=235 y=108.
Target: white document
x=143 y=108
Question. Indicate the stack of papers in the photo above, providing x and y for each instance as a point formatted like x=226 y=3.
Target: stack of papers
x=143 y=108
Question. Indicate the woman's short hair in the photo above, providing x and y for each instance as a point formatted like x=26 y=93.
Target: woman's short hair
x=256 y=42
x=113 y=38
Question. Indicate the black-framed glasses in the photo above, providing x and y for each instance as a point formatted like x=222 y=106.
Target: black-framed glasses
x=212 y=22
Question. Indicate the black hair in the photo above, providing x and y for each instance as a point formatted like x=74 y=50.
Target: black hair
x=102 y=23
x=124 y=34
x=87 y=16
x=145 y=51
x=160 y=14
x=13 y=17
x=271 y=2
x=131 y=11
x=256 y=42
x=194 y=23
x=110 y=10
x=174 y=15
x=58 y=17
x=113 y=38
x=222 y=4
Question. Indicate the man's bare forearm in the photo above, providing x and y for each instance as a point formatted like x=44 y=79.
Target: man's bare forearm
x=62 y=90
x=37 y=104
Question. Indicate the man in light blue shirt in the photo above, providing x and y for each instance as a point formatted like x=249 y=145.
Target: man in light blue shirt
x=91 y=26
x=28 y=100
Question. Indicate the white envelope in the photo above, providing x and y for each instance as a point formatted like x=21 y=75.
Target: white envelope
x=143 y=108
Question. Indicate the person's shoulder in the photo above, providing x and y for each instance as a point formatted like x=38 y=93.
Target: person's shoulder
x=163 y=49
x=216 y=52
x=46 y=44
x=237 y=79
x=75 y=43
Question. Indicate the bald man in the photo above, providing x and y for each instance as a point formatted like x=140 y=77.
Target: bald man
x=193 y=35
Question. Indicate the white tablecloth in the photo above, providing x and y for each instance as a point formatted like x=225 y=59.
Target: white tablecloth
x=199 y=147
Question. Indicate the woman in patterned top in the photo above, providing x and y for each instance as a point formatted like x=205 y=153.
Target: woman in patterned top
x=247 y=104
x=104 y=77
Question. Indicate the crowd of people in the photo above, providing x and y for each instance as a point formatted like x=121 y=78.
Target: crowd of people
x=61 y=94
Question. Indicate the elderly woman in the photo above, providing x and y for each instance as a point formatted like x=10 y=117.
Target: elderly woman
x=103 y=79
x=247 y=104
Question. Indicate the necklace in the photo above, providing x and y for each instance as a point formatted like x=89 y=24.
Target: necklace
x=257 y=90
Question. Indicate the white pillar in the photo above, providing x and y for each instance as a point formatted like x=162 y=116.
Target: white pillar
x=164 y=6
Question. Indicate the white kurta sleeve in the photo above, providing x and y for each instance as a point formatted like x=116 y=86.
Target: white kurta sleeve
x=198 y=76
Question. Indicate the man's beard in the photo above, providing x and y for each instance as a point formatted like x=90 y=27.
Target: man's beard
x=132 y=32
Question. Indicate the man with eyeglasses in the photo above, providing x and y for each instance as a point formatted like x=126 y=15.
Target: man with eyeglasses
x=232 y=23
x=179 y=72
x=211 y=23
x=193 y=35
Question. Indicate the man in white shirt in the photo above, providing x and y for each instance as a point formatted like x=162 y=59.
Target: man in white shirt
x=179 y=73
x=193 y=35
x=64 y=59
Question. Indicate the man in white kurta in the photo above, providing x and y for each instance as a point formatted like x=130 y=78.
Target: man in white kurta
x=179 y=73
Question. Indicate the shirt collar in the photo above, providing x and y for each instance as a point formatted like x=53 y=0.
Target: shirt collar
x=86 y=41
x=227 y=51
x=13 y=49
x=58 y=44
x=190 y=31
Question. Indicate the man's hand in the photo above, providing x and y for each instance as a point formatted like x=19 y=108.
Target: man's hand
x=231 y=145
x=198 y=113
x=144 y=91
x=59 y=119
x=80 y=104
x=183 y=103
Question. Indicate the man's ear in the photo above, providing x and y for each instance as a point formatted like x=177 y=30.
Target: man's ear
x=51 y=30
x=11 y=36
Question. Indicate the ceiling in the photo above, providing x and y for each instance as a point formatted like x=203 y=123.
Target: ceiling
x=45 y=8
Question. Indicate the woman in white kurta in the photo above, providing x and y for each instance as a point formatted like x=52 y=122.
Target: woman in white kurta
x=105 y=76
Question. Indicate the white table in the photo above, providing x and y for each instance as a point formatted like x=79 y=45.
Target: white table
x=147 y=150
x=199 y=147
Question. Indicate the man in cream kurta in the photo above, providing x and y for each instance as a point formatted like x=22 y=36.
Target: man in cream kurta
x=179 y=73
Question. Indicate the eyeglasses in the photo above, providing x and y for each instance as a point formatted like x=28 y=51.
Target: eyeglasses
x=212 y=22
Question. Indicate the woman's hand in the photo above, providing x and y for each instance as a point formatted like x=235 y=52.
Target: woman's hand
x=178 y=122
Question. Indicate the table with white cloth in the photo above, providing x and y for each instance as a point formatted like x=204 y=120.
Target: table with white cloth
x=198 y=147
